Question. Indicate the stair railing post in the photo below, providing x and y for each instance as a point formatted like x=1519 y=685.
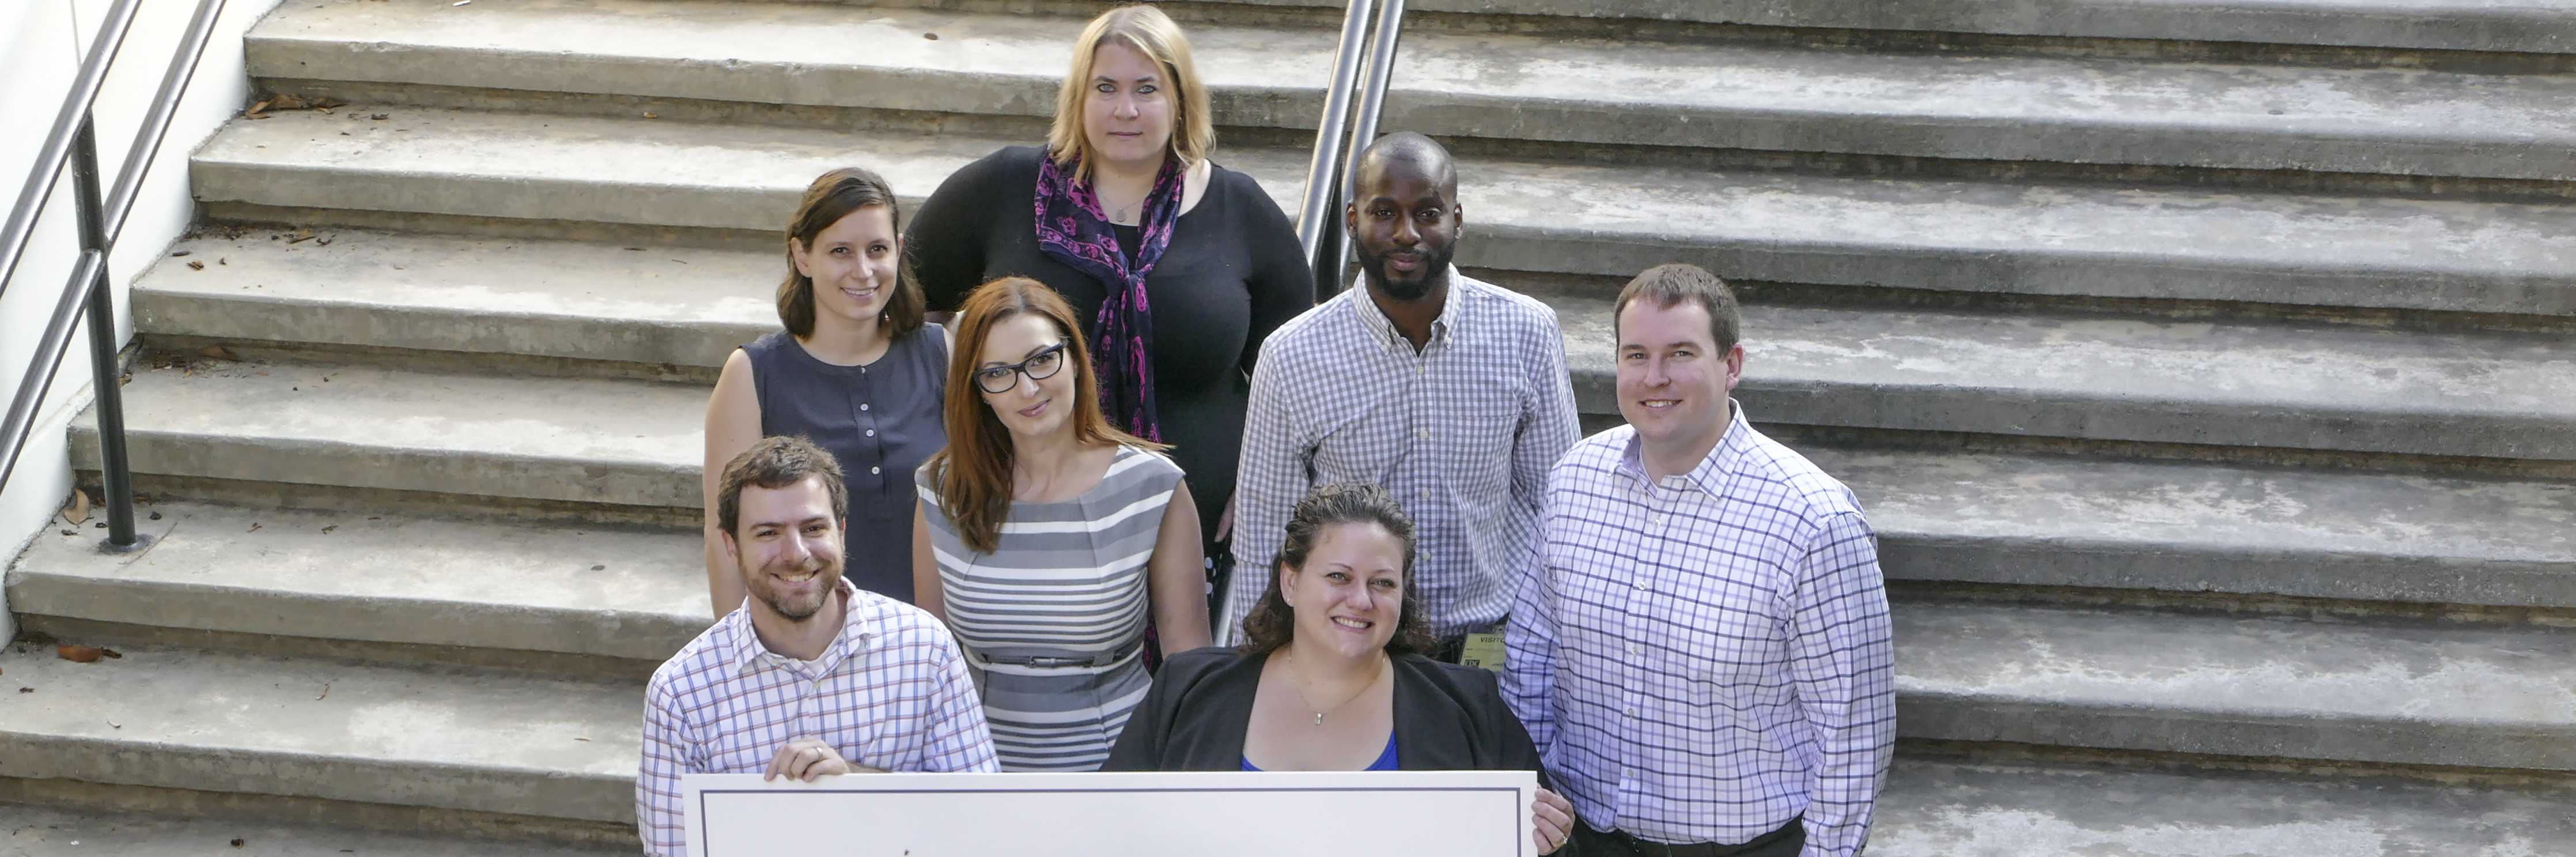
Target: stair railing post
x=114 y=473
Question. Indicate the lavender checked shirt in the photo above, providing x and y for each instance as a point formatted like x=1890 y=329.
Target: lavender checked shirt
x=1461 y=433
x=891 y=693
x=1704 y=657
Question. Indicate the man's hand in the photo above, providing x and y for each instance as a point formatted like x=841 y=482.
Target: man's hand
x=810 y=759
x=1555 y=821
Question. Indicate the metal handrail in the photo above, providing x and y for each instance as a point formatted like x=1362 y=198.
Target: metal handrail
x=1328 y=174
x=74 y=138
x=1317 y=227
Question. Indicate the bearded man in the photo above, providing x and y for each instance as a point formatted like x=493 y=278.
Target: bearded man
x=811 y=676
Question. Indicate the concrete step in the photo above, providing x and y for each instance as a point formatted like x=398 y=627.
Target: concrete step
x=2267 y=687
x=1731 y=96
x=2424 y=24
x=679 y=306
x=565 y=440
x=1539 y=216
x=615 y=593
x=2242 y=384
x=1935 y=808
x=37 y=831
x=2192 y=528
x=462 y=741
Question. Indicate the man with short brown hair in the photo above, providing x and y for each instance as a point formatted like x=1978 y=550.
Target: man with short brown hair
x=810 y=676
x=1703 y=653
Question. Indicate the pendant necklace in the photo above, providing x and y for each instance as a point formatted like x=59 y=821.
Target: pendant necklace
x=1296 y=685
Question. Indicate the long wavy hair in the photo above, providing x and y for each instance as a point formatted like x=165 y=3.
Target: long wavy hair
x=832 y=196
x=974 y=470
x=1272 y=623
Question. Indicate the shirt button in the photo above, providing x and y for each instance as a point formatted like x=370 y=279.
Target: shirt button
x=872 y=432
x=863 y=407
x=872 y=471
x=1641 y=586
x=1632 y=711
x=1633 y=648
x=1425 y=434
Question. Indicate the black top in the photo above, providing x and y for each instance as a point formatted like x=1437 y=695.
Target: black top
x=880 y=421
x=1447 y=718
x=1233 y=273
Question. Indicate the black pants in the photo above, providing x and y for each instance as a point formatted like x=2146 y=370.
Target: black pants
x=1784 y=842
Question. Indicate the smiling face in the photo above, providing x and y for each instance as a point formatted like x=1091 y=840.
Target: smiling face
x=1350 y=593
x=1127 y=112
x=1673 y=382
x=1405 y=226
x=1029 y=409
x=852 y=263
x=788 y=546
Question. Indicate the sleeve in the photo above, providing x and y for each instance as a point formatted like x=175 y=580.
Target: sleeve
x=1270 y=477
x=1528 y=681
x=1548 y=423
x=669 y=751
x=958 y=740
x=1842 y=668
x=1283 y=281
x=944 y=243
x=1140 y=744
x=1513 y=749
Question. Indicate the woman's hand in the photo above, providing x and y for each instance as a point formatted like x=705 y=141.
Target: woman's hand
x=1554 y=819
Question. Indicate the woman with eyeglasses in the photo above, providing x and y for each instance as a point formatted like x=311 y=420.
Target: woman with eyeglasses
x=1046 y=536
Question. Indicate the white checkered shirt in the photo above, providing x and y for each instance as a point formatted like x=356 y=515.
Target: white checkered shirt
x=890 y=693
x=1703 y=658
x=1462 y=434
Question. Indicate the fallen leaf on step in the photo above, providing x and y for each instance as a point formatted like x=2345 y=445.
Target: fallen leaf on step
x=237 y=843
x=177 y=253
x=288 y=101
x=326 y=691
x=26 y=690
x=222 y=260
x=218 y=352
x=300 y=236
x=195 y=265
x=76 y=510
x=253 y=529
x=327 y=530
x=84 y=654
x=931 y=36
x=326 y=242
x=378 y=116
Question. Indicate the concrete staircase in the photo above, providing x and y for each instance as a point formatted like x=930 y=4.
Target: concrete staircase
x=2207 y=371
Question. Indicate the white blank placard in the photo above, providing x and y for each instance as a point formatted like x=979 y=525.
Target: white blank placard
x=1179 y=814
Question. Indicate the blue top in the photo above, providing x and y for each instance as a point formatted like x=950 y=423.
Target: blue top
x=880 y=420
x=1385 y=761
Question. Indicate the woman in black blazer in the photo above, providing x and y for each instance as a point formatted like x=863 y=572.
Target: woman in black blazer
x=1333 y=677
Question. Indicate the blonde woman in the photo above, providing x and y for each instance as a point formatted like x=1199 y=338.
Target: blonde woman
x=1177 y=267
x=1047 y=537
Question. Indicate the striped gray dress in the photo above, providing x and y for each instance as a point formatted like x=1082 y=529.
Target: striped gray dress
x=1067 y=582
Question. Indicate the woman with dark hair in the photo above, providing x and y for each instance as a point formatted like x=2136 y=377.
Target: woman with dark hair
x=855 y=370
x=1176 y=267
x=1333 y=676
x=1046 y=536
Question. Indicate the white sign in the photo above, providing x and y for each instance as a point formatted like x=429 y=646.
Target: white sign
x=1177 y=814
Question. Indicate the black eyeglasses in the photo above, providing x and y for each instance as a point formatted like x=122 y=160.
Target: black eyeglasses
x=1039 y=367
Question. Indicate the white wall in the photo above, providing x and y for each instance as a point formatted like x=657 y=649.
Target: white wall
x=41 y=45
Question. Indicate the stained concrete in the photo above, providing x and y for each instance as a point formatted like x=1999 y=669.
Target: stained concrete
x=1955 y=235
x=1950 y=809
x=2431 y=24
x=214 y=722
x=35 y=831
x=657 y=305
x=2038 y=521
x=2252 y=686
x=637 y=594
x=1517 y=87
x=632 y=443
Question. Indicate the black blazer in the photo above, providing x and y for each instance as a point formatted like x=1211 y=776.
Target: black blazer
x=1447 y=718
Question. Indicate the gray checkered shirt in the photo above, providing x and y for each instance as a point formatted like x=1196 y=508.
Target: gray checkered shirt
x=1462 y=433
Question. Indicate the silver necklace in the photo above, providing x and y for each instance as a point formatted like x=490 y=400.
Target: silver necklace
x=1296 y=685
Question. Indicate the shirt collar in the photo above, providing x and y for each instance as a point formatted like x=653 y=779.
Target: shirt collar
x=857 y=628
x=1711 y=473
x=1442 y=327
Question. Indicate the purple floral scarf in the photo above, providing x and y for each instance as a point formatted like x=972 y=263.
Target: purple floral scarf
x=1073 y=230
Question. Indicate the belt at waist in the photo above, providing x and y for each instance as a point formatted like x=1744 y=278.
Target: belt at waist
x=1095 y=660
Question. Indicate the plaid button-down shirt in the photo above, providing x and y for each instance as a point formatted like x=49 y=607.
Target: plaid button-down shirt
x=1704 y=657
x=891 y=692
x=1461 y=433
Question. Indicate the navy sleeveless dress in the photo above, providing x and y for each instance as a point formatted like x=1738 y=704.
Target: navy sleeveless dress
x=880 y=420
